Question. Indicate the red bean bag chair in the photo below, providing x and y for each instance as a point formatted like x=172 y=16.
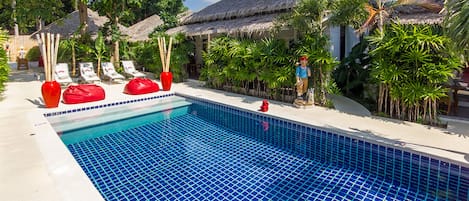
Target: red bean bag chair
x=140 y=85
x=83 y=93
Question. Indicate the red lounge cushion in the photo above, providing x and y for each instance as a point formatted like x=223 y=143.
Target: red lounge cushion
x=141 y=86
x=83 y=93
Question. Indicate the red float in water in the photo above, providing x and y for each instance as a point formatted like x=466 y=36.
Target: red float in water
x=140 y=85
x=83 y=93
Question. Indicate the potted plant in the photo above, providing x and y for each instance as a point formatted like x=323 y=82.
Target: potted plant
x=49 y=46
x=166 y=77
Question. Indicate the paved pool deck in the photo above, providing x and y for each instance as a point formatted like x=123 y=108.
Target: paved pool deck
x=26 y=172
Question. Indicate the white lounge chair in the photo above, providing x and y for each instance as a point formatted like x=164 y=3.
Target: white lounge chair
x=61 y=74
x=110 y=72
x=130 y=70
x=87 y=73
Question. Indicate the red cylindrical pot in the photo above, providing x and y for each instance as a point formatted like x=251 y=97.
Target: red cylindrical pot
x=166 y=79
x=51 y=93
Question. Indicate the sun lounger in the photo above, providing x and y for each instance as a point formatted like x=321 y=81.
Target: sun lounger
x=87 y=73
x=110 y=72
x=62 y=75
x=130 y=70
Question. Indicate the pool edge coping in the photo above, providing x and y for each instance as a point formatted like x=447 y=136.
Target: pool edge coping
x=83 y=185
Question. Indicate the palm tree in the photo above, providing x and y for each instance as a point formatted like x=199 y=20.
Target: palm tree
x=364 y=15
x=83 y=13
x=310 y=18
x=456 y=24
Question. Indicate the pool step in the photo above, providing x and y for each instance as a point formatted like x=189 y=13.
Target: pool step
x=102 y=116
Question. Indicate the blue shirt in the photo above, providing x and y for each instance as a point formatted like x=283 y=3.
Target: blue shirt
x=302 y=72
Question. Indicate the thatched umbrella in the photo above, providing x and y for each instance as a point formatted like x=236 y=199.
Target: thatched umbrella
x=70 y=23
x=140 y=30
x=229 y=9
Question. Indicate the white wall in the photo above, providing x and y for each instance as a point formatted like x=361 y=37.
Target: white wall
x=334 y=35
x=351 y=39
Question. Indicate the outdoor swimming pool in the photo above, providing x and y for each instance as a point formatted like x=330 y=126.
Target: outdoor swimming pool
x=208 y=151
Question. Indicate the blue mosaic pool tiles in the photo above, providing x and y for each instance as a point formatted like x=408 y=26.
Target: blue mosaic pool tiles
x=187 y=158
x=419 y=172
x=50 y=114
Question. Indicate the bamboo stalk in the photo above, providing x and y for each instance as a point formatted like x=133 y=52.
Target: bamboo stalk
x=48 y=57
x=164 y=46
x=160 y=45
x=168 y=56
x=44 y=51
x=52 y=49
x=56 y=51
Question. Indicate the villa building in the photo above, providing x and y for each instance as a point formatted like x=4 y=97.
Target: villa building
x=256 y=19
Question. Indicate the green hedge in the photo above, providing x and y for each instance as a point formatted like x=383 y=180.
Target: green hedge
x=4 y=67
x=33 y=54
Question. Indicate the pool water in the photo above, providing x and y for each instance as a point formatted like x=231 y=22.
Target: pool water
x=206 y=151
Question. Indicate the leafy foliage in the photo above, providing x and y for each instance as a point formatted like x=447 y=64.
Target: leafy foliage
x=99 y=50
x=30 y=13
x=354 y=71
x=309 y=18
x=33 y=54
x=264 y=66
x=456 y=23
x=411 y=65
x=4 y=67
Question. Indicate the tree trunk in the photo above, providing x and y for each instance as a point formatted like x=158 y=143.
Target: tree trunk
x=83 y=12
x=386 y=97
x=398 y=108
x=99 y=67
x=417 y=112
x=391 y=108
x=380 y=97
x=404 y=111
x=409 y=114
x=74 y=61
x=39 y=23
x=116 y=46
x=434 y=119
x=425 y=105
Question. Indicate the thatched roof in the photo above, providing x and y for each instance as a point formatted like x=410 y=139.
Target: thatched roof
x=256 y=23
x=230 y=9
x=232 y=16
x=70 y=23
x=420 y=18
x=228 y=16
x=412 y=14
x=140 y=30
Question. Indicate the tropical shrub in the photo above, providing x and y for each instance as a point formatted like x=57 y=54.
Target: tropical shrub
x=309 y=19
x=411 y=65
x=263 y=68
x=456 y=27
x=4 y=67
x=353 y=76
x=33 y=54
x=353 y=72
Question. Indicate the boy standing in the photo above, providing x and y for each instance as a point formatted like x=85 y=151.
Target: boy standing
x=302 y=74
